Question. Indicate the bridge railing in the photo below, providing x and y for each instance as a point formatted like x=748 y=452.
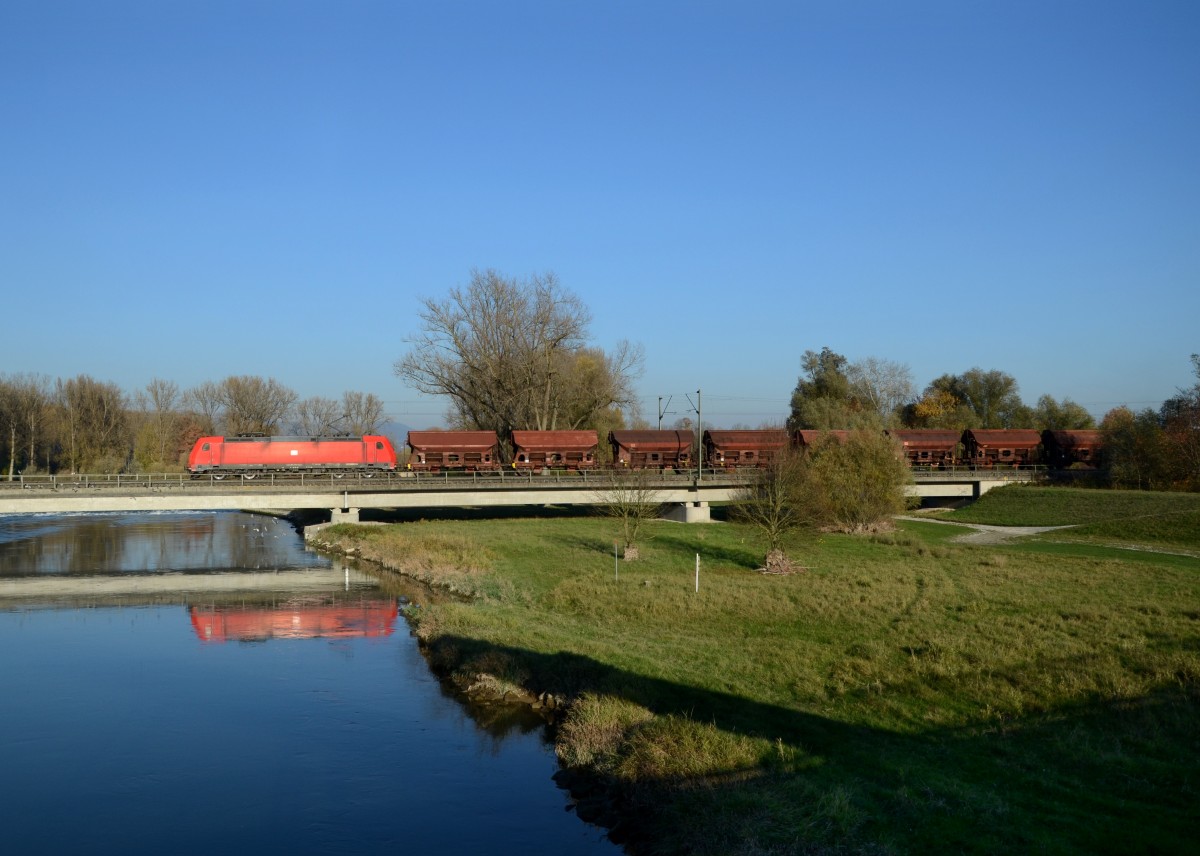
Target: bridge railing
x=382 y=481
x=447 y=479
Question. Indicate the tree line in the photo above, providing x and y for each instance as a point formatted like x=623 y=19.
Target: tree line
x=1150 y=449
x=81 y=424
x=508 y=353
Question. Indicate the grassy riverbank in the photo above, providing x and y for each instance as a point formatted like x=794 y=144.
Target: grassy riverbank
x=903 y=694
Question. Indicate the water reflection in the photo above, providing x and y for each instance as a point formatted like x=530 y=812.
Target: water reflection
x=307 y=618
x=197 y=542
x=128 y=728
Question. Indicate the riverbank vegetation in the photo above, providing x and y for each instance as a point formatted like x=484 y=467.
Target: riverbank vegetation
x=905 y=693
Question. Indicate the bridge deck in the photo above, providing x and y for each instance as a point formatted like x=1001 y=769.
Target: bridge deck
x=56 y=494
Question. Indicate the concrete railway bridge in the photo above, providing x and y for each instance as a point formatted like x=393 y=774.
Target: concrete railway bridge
x=687 y=497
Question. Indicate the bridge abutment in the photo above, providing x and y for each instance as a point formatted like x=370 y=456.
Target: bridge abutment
x=688 y=512
x=343 y=515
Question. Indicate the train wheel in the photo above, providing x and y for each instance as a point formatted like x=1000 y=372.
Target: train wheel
x=249 y=476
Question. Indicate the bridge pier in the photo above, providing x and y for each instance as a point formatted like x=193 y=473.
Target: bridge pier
x=688 y=512
x=343 y=515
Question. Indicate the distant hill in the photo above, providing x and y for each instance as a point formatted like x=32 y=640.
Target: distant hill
x=397 y=431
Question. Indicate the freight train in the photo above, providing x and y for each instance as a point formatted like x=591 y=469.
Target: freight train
x=479 y=451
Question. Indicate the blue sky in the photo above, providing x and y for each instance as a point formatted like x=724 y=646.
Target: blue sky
x=191 y=190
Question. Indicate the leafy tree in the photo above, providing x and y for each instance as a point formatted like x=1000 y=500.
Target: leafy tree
x=1180 y=417
x=824 y=398
x=512 y=354
x=1050 y=415
x=993 y=398
x=1136 y=452
x=973 y=399
x=938 y=407
x=834 y=393
x=859 y=481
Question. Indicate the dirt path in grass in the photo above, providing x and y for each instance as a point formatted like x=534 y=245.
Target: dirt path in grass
x=983 y=534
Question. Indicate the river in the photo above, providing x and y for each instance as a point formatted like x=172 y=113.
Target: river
x=201 y=683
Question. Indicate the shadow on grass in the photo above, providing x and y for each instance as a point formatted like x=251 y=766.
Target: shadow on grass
x=749 y=556
x=1098 y=777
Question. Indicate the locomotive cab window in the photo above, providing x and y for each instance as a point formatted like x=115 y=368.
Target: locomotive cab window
x=379 y=444
x=204 y=448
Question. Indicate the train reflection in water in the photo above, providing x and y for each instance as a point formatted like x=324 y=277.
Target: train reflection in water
x=301 y=619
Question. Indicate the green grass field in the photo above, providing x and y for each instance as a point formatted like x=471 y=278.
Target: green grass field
x=904 y=694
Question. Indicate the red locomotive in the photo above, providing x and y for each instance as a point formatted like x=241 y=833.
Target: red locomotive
x=249 y=456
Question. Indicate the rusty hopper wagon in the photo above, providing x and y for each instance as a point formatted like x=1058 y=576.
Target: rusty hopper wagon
x=651 y=449
x=569 y=450
x=1064 y=449
x=432 y=451
x=1001 y=447
x=736 y=448
x=928 y=447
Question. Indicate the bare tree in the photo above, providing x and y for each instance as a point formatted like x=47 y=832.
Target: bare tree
x=205 y=399
x=363 y=412
x=510 y=354
x=24 y=411
x=777 y=502
x=253 y=405
x=882 y=386
x=93 y=419
x=630 y=498
x=160 y=404
x=318 y=417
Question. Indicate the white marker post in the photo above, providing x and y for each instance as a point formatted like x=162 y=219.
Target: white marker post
x=616 y=569
x=697 y=573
